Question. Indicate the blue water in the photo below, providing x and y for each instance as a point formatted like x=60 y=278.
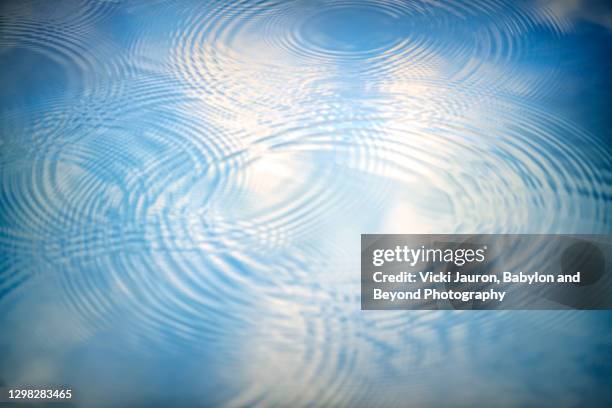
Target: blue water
x=184 y=185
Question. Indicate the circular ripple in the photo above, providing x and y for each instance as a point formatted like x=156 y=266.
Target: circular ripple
x=351 y=30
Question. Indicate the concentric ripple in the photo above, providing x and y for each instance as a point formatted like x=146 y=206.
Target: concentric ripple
x=188 y=182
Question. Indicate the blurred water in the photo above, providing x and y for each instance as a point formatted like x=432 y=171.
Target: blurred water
x=184 y=185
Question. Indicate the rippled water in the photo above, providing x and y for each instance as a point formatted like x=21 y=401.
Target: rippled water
x=184 y=185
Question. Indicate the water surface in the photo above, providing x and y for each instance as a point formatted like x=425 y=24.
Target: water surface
x=184 y=185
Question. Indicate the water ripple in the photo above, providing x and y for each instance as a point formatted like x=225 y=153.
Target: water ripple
x=193 y=178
